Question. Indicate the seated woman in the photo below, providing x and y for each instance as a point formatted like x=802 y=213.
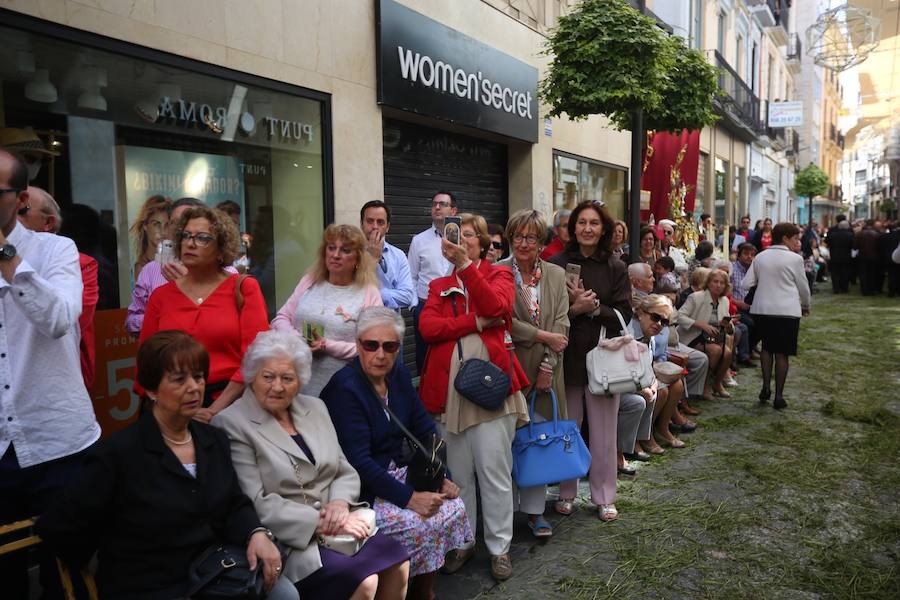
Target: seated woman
x=290 y=464
x=649 y=326
x=704 y=322
x=428 y=525
x=136 y=501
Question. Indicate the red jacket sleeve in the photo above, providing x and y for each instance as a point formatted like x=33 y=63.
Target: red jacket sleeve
x=435 y=326
x=490 y=295
x=253 y=318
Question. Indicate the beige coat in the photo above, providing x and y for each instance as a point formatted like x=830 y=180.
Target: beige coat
x=270 y=467
x=698 y=307
x=554 y=303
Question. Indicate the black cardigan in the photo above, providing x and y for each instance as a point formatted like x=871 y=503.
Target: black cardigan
x=147 y=518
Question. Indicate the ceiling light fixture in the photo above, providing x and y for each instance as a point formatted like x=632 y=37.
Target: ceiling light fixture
x=40 y=88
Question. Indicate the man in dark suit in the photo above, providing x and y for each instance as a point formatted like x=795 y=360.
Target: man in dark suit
x=870 y=275
x=840 y=244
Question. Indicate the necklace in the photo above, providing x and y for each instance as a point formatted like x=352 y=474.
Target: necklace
x=176 y=442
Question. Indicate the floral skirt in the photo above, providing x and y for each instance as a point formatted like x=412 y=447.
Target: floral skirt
x=426 y=540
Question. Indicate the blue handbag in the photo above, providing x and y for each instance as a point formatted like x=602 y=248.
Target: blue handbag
x=550 y=451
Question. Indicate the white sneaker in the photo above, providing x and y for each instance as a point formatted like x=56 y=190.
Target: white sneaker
x=730 y=382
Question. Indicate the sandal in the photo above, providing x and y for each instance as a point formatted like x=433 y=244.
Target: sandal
x=608 y=513
x=722 y=394
x=540 y=528
x=652 y=447
x=564 y=507
x=672 y=443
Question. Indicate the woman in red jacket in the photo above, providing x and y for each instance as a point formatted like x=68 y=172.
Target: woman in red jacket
x=474 y=305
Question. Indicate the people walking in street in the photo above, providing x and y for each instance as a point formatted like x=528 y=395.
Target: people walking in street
x=840 y=247
x=467 y=316
x=391 y=266
x=326 y=302
x=601 y=289
x=221 y=309
x=782 y=297
x=540 y=329
x=870 y=274
x=427 y=263
x=763 y=239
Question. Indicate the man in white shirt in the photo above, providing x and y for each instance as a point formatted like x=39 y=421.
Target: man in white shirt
x=46 y=416
x=392 y=268
x=426 y=262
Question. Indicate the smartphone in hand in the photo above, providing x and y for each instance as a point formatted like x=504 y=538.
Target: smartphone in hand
x=452 y=225
x=573 y=274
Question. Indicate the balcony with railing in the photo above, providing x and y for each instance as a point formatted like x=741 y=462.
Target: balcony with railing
x=773 y=16
x=738 y=105
x=794 y=53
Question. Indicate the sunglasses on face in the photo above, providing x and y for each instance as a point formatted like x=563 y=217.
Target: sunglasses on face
x=374 y=345
x=659 y=319
x=496 y=245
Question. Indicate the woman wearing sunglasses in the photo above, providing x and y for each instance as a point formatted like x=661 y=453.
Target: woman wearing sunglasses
x=474 y=305
x=650 y=325
x=220 y=309
x=427 y=524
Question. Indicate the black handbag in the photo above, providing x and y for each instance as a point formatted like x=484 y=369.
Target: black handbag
x=222 y=571
x=426 y=463
x=479 y=381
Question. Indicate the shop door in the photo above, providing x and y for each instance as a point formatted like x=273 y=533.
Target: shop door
x=419 y=161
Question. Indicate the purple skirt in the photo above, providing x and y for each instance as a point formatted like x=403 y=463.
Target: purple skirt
x=340 y=574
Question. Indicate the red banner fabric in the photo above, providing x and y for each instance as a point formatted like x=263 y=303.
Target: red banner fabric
x=657 y=176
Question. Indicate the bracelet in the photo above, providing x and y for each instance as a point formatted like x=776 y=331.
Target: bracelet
x=265 y=530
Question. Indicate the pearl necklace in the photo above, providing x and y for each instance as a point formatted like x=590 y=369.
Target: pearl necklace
x=179 y=443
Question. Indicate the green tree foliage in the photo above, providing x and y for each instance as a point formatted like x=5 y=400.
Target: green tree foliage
x=609 y=59
x=811 y=181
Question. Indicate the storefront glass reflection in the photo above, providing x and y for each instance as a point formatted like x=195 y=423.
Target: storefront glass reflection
x=576 y=180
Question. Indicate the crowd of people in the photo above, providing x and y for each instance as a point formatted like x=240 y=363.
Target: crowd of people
x=292 y=436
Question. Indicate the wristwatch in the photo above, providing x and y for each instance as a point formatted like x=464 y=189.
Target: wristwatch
x=7 y=252
x=265 y=530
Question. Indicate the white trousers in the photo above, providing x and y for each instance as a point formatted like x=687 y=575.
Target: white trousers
x=484 y=453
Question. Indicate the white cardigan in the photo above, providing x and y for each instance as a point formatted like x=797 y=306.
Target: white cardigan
x=698 y=307
x=781 y=286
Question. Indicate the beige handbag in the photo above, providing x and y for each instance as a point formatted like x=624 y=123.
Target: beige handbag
x=347 y=544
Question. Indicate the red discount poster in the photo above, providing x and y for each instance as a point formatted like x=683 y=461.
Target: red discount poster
x=115 y=405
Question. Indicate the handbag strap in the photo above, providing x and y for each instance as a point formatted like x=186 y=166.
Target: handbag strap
x=509 y=371
x=409 y=434
x=621 y=322
x=220 y=567
x=531 y=400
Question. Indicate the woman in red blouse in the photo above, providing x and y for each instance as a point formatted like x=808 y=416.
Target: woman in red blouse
x=205 y=303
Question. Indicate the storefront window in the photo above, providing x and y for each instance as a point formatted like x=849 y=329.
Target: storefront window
x=721 y=191
x=578 y=179
x=124 y=129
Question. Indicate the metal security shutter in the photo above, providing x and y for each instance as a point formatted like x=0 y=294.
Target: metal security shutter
x=418 y=161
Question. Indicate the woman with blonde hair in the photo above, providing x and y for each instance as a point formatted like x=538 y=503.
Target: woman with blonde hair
x=704 y=322
x=620 y=247
x=148 y=229
x=326 y=303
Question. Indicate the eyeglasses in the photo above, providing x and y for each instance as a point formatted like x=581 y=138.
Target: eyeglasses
x=659 y=319
x=668 y=232
x=469 y=234
x=8 y=190
x=440 y=204
x=201 y=239
x=497 y=245
x=373 y=346
x=528 y=239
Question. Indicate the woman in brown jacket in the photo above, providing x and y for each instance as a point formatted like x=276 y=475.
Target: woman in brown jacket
x=602 y=288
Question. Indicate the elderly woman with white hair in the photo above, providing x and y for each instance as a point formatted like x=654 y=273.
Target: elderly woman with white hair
x=369 y=400
x=289 y=462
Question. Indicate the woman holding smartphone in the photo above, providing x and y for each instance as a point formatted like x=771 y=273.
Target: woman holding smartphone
x=597 y=285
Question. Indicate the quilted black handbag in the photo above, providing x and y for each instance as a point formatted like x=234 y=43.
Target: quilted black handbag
x=222 y=571
x=479 y=381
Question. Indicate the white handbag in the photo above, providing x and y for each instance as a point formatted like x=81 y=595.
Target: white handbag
x=610 y=372
x=347 y=544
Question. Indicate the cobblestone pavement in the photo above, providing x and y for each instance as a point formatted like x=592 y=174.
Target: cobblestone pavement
x=761 y=504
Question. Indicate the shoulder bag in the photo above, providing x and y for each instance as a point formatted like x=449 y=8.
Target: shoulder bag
x=479 y=381
x=426 y=467
x=611 y=372
x=222 y=571
x=550 y=451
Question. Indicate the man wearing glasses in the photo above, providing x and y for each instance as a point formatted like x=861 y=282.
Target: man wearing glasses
x=392 y=268
x=426 y=262
x=46 y=417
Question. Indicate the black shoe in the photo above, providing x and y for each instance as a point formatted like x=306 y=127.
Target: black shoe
x=779 y=404
x=764 y=395
x=639 y=456
x=685 y=428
